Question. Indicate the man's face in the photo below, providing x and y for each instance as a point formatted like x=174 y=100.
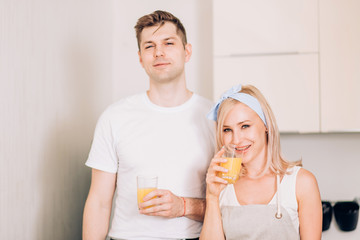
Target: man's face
x=162 y=53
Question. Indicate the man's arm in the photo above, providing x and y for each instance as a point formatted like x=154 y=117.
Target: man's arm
x=98 y=205
x=195 y=208
x=166 y=204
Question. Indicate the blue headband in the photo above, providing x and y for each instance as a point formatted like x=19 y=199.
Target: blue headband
x=247 y=99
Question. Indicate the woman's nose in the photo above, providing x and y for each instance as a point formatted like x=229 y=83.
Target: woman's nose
x=236 y=138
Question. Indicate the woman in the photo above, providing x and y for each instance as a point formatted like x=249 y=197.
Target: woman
x=272 y=198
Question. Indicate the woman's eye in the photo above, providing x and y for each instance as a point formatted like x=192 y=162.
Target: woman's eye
x=149 y=46
x=169 y=43
x=245 y=126
x=227 y=130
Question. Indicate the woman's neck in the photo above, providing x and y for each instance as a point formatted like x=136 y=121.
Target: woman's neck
x=259 y=166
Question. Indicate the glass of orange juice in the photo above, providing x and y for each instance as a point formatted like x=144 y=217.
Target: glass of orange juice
x=233 y=164
x=145 y=185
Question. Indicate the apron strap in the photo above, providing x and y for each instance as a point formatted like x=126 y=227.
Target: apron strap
x=278 y=214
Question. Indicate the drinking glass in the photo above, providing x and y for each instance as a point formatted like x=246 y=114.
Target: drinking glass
x=233 y=164
x=145 y=185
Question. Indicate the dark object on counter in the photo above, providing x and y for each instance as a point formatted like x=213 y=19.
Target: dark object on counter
x=327 y=215
x=346 y=215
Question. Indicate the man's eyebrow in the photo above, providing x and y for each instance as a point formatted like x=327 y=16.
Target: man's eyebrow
x=152 y=42
x=147 y=42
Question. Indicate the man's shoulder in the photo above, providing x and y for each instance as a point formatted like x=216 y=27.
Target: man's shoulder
x=121 y=107
x=203 y=105
x=203 y=101
x=126 y=103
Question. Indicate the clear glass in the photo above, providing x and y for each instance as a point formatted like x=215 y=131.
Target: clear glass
x=233 y=164
x=145 y=185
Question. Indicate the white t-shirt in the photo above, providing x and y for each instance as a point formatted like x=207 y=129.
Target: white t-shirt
x=135 y=136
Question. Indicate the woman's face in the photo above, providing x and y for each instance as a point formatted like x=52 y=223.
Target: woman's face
x=244 y=128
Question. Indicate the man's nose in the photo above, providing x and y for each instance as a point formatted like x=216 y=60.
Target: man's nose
x=159 y=51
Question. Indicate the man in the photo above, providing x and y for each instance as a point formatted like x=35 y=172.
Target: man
x=163 y=132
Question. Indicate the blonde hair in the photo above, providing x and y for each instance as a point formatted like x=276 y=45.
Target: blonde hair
x=275 y=160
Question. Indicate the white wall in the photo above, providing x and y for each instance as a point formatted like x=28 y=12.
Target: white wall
x=55 y=76
x=333 y=158
x=61 y=64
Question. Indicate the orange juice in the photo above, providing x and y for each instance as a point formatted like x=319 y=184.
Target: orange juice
x=142 y=192
x=234 y=167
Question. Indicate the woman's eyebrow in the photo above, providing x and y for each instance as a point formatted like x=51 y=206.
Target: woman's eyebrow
x=239 y=123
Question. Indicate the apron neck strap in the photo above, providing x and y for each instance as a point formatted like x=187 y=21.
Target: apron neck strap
x=278 y=214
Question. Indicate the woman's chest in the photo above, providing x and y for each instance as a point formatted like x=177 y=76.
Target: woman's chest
x=255 y=191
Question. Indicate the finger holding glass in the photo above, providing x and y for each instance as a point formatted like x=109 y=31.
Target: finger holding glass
x=216 y=184
x=162 y=202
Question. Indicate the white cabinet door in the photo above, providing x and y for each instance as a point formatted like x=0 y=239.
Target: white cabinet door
x=340 y=65
x=265 y=26
x=290 y=83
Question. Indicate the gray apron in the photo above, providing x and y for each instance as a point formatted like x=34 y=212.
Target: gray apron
x=258 y=222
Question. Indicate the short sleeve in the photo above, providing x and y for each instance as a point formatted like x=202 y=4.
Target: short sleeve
x=102 y=154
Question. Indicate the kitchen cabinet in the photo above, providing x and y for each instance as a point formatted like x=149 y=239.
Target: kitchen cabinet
x=244 y=27
x=272 y=44
x=340 y=65
x=289 y=82
x=303 y=55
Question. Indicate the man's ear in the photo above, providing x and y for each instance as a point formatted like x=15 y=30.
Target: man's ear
x=140 y=59
x=188 y=52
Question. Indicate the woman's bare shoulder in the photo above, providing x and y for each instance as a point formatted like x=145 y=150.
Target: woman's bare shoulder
x=306 y=183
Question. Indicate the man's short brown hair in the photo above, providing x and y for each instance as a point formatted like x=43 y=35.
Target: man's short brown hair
x=158 y=18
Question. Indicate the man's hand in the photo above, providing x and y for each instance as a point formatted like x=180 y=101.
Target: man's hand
x=162 y=203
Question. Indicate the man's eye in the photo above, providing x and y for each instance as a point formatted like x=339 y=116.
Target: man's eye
x=169 y=43
x=245 y=126
x=149 y=46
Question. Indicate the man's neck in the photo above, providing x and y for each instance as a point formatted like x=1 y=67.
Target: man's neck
x=169 y=95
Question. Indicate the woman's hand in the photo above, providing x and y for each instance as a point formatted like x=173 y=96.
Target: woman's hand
x=212 y=227
x=214 y=183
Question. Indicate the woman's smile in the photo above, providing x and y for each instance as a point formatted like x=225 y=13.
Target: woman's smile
x=242 y=149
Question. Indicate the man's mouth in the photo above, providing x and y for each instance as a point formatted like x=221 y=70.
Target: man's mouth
x=161 y=64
